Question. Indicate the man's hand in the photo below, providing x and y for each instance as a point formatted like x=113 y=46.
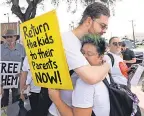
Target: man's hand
x=54 y=95
x=22 y=97
x=22 y=94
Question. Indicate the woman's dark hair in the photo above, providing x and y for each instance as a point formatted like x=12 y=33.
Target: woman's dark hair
x=97 y=41
x=123 y=44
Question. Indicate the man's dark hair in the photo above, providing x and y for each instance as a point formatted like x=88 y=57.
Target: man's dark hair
x=112 y=39
x=97 y=41
x=95 y=10
x=123 y=44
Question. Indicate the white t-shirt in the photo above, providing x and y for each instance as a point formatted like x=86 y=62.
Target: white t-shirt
x=75 y=59
x=29 y=80
x=115 y=69
x=95 y=96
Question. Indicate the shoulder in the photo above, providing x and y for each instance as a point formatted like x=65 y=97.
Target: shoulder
x=72 y=46
x=25 y=64
x=20 y=45
x=69 y=37
x=26 y=60
x=3 y=46
x=128 y=50
x=66 y=35
x=106 y=57
x=131 y=51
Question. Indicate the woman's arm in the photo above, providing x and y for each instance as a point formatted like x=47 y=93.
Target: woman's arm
x=82 y=111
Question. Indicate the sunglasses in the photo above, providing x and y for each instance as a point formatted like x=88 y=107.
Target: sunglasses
x=103 y=26
x=117 y=43
x=9 y=36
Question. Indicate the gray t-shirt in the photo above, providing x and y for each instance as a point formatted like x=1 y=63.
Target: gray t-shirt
x=17 y=54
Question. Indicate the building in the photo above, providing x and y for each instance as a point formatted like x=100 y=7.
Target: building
x=5 y=26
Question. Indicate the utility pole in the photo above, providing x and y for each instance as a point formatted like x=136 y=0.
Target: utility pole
x=133 y=32
x=7 y=14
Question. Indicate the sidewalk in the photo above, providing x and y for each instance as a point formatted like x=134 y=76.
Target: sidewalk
x=140 y=94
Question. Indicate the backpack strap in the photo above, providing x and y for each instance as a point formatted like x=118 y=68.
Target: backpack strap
x=106 y=81
x=71 y=72
x=111 y=79
x=112 y=58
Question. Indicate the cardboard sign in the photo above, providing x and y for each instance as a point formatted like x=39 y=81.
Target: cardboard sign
x=43 y=44
x=9 y=71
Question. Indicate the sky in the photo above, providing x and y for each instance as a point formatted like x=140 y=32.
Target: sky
x=119 y=25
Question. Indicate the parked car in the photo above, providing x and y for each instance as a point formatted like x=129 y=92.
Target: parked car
x=139 y=43
x=139 y=56
x=129 y=44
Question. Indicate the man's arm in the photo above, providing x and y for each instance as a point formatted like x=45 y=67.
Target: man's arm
x=23 y=78
x=63 y=108
x=130 y=61
x=93 y=74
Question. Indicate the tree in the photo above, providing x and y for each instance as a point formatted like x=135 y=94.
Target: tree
x=30 y=11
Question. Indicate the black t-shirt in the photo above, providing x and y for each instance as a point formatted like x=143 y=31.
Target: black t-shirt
x=128 y=55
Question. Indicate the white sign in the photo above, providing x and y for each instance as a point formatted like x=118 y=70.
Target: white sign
x=9 y=74
x=137 y=75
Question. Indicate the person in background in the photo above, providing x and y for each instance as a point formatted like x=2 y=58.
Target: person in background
x=1 y=91
x=34 y=90
x=2 y=110
x=1 y=42
x=128 y=55
x=119 y=69
x=39 y=99
x=11 y=51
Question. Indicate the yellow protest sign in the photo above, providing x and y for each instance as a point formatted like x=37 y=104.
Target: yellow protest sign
x=46 y=57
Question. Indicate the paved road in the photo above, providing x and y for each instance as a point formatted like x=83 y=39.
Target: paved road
x=135 y=89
